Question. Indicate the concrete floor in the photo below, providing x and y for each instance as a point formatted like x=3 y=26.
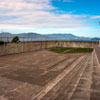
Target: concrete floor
x=43 y=75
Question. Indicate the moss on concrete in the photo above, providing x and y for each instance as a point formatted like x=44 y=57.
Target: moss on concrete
x=71 y=50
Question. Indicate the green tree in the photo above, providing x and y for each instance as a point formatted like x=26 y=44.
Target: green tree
x=15 y=39
x=1 y=42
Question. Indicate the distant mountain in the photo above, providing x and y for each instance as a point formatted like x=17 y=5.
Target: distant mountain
x=35 y=37
x=7 y=37
x=63 y=36
x=5 y=34
x=29 y=35
x=67 y=36
x=98 y=39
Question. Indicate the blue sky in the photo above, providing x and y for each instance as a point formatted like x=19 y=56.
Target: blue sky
x=79 y=17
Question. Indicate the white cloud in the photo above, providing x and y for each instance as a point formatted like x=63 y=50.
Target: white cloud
x=36 y=14
x=95 y=17
x=67 y=1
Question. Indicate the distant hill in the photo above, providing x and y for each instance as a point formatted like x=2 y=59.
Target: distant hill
x=30 y=35
x=7 y=37
x=35 y=37
x=62 y=36
x=5 y=34
x=67 y=36
x=95 y=38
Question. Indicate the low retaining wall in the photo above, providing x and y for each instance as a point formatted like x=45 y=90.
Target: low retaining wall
x=12 y=48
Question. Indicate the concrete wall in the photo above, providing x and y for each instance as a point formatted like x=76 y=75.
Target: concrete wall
x=12 y=48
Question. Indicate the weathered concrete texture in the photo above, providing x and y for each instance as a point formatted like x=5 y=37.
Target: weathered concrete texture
x=12 y=48
x=97 y=51
x=43 y=75
x=23 y=75
x=82 y=83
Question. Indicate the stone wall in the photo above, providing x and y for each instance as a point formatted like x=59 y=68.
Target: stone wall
x=12 y=48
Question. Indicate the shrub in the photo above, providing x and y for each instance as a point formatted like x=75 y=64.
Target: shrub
x=1 y=42
x=15 y=39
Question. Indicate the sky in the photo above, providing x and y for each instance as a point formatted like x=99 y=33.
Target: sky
x=79 y=17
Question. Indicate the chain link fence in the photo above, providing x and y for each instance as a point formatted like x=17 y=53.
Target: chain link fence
x=27 y=39
x=30 y=39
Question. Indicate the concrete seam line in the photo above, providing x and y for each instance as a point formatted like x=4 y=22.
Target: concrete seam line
x=50 y=85
x=97 y=58
x=79 y=79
